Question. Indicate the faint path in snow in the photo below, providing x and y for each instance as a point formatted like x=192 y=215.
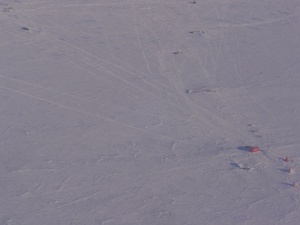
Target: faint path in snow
x=144 y=137
x=86 y=112
x=100 y=63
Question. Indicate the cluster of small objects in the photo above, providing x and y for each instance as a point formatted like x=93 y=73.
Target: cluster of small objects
x=286 y=159
x=291 y=170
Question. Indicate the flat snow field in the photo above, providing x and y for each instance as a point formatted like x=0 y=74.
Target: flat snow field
x=143 y=112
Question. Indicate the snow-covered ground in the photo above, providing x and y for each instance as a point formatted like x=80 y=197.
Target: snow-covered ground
x=140 y=112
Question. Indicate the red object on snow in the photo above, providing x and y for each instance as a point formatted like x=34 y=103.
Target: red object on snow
x=254 y=149
x=287 y=159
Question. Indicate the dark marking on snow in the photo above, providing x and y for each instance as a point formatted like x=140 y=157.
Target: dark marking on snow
x=197 y=31
x=287 y=184
x=253 y=130
x=192 y=91
x=284 y=170
x=240 y=166
x=189 y=91
x=208 y=90
x=25 y=28
x=7 y=9
x=194 y=2
x=176 y=52
x=235 y=164
x=244 y=148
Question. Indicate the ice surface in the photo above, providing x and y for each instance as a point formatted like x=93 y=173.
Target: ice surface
x=141 y=112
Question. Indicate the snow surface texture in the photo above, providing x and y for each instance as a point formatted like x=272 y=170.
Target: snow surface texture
x=140 y=112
